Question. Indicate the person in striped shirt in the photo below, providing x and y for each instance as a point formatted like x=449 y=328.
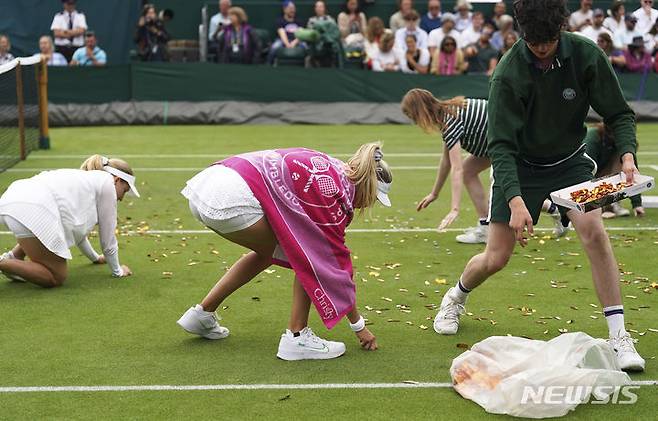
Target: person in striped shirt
x=463 y=126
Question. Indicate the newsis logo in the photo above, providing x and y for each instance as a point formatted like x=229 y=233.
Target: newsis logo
x=598 y=395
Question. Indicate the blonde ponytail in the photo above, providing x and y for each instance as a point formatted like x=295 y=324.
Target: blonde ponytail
x=365 y=168
x=429 y=113
x=97 y=162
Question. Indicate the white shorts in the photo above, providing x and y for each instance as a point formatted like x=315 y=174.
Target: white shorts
x=19 y=230
x=221 y=200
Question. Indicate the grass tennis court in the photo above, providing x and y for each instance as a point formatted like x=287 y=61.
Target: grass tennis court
x=100 y=331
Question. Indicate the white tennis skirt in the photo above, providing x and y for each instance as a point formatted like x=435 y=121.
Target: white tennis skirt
x=221 y=200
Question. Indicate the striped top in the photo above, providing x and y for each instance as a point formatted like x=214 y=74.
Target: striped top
x=469 y=128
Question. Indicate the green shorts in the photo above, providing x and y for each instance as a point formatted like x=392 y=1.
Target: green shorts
x=537 y=183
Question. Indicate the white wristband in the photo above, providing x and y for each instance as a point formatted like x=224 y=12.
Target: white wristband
x=359 y=325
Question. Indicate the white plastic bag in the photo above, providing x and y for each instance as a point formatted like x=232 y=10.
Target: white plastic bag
x=537 y=379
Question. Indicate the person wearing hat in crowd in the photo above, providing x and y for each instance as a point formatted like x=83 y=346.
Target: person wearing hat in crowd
x=646 y=16
x=615 y=19
x=447 y=28
x=411 y=20
x=624 y=36
x=596 y=28
x=55 y=210
x=68 y=28
x=505 y=26
x=637 y=58
x=432 y=19
x=581 y=17
x=89 y=55
x=464 y=16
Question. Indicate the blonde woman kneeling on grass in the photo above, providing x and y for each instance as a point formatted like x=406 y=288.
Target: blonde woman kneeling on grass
x=55 y=210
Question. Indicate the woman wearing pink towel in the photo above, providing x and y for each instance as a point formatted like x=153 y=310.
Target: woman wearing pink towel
x=291 y=208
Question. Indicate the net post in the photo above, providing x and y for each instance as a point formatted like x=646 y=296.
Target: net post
x=21 y=110
x=42 y=78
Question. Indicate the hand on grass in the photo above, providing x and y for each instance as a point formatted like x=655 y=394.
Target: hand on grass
x=126 y=271
x=426 y=202
x=520 y=219
x=639 y=211
x=449 y=219
x=101 y=260
x=367 y=339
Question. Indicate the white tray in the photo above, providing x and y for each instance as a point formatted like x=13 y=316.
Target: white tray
x=641 y=184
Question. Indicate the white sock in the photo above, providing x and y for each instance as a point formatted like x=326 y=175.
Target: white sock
x=460 y=293
x=614 y=316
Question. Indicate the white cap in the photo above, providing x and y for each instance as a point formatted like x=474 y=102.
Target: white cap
x=382 y=193
x=130 y=179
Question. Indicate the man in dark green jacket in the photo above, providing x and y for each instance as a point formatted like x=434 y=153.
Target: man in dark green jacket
x=539 y=96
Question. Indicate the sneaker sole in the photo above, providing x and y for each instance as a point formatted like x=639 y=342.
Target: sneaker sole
x=213 y=336
x=634 y=368
x=444 y=332
x=297 y=357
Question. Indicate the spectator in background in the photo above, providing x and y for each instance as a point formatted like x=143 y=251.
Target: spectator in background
x=499 y=10
x=397 y=19
x=5 y=46
x=48 y=53
x=411 y=20
x=506 y=27
x=432 y=19
x=90 y=54
x=414 y=59
x=320 y=14
x=616 y=57
x=615 y=20
x=238 y=44
x=638 y=60
x=151 y=36
x=448 y=59
x=646 y=16
x=447 y=28
x=596 y=28
x=482 y=57
x=651 y=39
x=624 y=35
x=464 y=16
x=286 y=25
x=581 y=17
x=218 y=21
x=68 y=28
x=471 y=35
x=374 y=31
x=351 y=20
x=509 y=41
x=386 y=59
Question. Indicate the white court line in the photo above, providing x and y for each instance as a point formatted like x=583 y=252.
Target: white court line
x=355 y=230
x=220 y=156
x=265 y=386
x=653 y=167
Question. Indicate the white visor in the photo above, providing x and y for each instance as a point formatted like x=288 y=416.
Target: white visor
x=382 y=193
x=130 y=179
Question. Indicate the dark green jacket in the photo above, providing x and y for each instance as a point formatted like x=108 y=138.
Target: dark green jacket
x=539 y=116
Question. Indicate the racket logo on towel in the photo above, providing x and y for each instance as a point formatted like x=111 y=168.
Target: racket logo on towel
x=325 y=183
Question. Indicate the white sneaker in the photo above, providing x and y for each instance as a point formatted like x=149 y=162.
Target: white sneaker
x=629 y=359
x=446 y=321
x=618 y=210
x=478 y=235
x=307 y=346
x=203 y=323
x=10 y=276
x=560 y=230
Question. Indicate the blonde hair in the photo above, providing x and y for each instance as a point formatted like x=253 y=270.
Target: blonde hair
x=240 y=13
x=387 y=41
x=429 y=113
x=97 y=162
x=365 y=168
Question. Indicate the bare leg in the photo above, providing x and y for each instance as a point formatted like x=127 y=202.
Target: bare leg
x=18 y=252
x=44 y=268
x=301 y=305
x=495 y=256
x=605 y=272
x=261 y=239
x=473 y=166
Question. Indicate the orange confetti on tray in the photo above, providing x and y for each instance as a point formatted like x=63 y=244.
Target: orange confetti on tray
x=602 y=190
